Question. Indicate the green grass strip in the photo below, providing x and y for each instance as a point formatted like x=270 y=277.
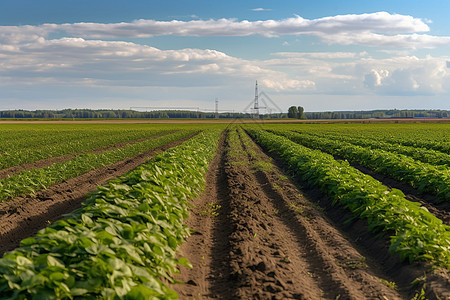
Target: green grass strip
x=34 y=180
x=416 y=234
x=124 y=239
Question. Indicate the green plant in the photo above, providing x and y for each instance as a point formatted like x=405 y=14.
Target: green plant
x=415 y=233
x=26 y=146
x=34 y=180
x=390 y=284
x=211 y=209
x=419 y=295
x=422 y=176
x=122 y=242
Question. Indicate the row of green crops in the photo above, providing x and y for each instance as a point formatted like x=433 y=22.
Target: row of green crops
x=27 y=148
x=427 y=136
x=422 y=176
x=123 y=242
x=416 y=234
x=422 y=154
x=34 y=180
x=418 y=141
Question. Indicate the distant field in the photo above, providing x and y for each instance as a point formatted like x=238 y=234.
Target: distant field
x=354 y=209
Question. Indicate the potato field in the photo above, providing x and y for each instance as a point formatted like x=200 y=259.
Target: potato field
x=246 y=210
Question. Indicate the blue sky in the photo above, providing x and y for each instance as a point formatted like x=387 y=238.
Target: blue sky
x=323 y=55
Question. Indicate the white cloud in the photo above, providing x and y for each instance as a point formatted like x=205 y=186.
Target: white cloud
x=261 y=9
x=321 y=55
x=408 y=75
x=370 y=39
x=374 y=29
x=363 y=74
x=97 y=63
x=395 y=52
x=288 y=85
x=376 y=22
x=375 y=78
x=30 y=58
x=111 y=63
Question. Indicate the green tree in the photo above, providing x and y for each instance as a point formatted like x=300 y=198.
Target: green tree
x=300 y=113
x=292 y=112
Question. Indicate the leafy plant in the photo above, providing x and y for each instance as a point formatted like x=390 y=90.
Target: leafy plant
x=415 y=233
x=26 y=146
x=422 y=176
x=122 y=242
x=34 y=180
x=390 y=284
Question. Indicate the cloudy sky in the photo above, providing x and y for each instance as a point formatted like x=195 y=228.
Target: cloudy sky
x=323 y=55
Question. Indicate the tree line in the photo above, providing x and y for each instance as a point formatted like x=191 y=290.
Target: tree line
x=379 y=114
x=115 y=114
x=295 y=112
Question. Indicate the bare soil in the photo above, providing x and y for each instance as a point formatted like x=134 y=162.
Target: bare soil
x=256 y=235
x=22 y=217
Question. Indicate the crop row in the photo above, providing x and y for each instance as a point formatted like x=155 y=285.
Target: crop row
x=34 y=180
x=422 y=154
x=433 y=139
x=13 y=140
x=442 y=146
x=422 y=176
x=20 y=151
x=415 y=233
x=123 y=242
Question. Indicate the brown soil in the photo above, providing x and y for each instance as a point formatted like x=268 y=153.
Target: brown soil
x=49 y=161
x=22 y=217
x=257 y=236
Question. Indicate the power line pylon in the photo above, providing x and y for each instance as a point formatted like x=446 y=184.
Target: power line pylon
x=255 y=103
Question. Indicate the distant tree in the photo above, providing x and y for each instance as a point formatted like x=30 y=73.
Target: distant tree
x=300 y=113
x=292 y=112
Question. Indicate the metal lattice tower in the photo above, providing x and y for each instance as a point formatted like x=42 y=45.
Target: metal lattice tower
x=254 y=105
x=255 y=102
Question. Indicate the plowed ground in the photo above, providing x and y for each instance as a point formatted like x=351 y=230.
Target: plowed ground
x=256 y=235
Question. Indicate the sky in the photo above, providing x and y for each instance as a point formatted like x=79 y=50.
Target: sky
x=323 y=55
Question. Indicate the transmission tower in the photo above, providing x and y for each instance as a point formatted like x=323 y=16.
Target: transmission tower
x=255 y=103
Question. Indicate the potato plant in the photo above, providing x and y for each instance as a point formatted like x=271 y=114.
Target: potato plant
x=123 y=241
x=415 y=233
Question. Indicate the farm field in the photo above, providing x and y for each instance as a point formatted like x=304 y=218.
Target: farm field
x=235 y=211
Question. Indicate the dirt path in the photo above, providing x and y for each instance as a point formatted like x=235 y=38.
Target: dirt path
x=49 y=161
x=258 y=237
x=22 y=217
